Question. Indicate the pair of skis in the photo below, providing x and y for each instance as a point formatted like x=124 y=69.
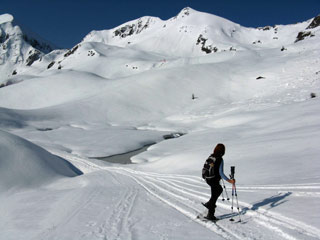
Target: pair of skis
x=204 y=218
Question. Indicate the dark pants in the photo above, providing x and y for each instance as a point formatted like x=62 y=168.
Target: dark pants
x=216 y=190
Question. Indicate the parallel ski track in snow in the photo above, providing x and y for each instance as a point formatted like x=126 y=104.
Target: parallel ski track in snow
x=116 y=226
x=172 y=190
x=184 y=193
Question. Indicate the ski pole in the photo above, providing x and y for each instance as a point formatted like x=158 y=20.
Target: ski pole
x=224 y=186
x=233 y=188
x=222 y=196
x=231 y=219
x=235 y=191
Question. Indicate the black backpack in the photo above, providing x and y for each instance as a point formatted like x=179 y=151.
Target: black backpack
x=208 y=168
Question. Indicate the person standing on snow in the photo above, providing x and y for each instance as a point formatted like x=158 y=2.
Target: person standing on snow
x=212 y=172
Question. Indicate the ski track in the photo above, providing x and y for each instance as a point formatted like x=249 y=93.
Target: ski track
x=50 y=233
x=175 y=191
x=213 y=227
x=275 y=223
x=116 y=226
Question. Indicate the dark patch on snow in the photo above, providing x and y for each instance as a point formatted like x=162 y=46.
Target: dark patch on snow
x=283 y=49
x=207 y=49
x=44 y=129
x=129 y=30
x=51 y=64
x=4 y=46
x=313 y=95
x=91 y=53
x=193 y=97
x=172 y=135
x=3 y=37
x=186 y=11
x=302 y=35
x=8 y=83
x=14 y=72
x=266 y=28
x=3 y=85
x=315 y=23
x=72 y=51
x=260 y=77
x=34 y=56
x=124 y=158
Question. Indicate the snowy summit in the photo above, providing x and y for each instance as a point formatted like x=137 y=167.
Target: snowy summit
x=107 y=140
x=6 y=18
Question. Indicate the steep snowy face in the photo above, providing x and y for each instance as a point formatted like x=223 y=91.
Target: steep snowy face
x=18 y=48
x=192 y=33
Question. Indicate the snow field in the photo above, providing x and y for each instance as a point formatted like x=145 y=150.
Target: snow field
x=111 y=96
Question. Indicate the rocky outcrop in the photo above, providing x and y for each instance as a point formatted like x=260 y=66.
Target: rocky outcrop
x=134 y=28
x=34 y=56
x=205 y=48
x=315 y=23
x=302 y=35
x=71 y=51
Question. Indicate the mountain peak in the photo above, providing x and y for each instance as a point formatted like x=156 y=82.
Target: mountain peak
x=186 y=11
x=6 y=18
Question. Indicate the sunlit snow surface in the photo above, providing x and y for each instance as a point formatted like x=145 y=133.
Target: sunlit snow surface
x=111 y=97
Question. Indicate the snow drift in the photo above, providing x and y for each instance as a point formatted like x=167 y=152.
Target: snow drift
x=25 y=165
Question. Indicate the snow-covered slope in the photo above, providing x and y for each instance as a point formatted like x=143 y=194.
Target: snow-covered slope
x=25 y=165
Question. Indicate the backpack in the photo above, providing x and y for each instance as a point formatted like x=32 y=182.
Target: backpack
x=208 y=168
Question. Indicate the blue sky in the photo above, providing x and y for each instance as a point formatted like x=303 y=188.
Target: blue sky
x=66 y=22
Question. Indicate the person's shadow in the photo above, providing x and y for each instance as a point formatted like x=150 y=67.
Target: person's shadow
x=272 y=201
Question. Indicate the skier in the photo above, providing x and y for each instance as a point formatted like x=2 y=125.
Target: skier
x=212 y=172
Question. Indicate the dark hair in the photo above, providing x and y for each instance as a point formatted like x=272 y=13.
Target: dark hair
x=219 y=150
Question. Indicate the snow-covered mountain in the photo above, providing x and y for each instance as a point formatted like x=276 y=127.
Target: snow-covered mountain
x=189 y=34
x=193 y=33
x=18 y=47
x=197 y=76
